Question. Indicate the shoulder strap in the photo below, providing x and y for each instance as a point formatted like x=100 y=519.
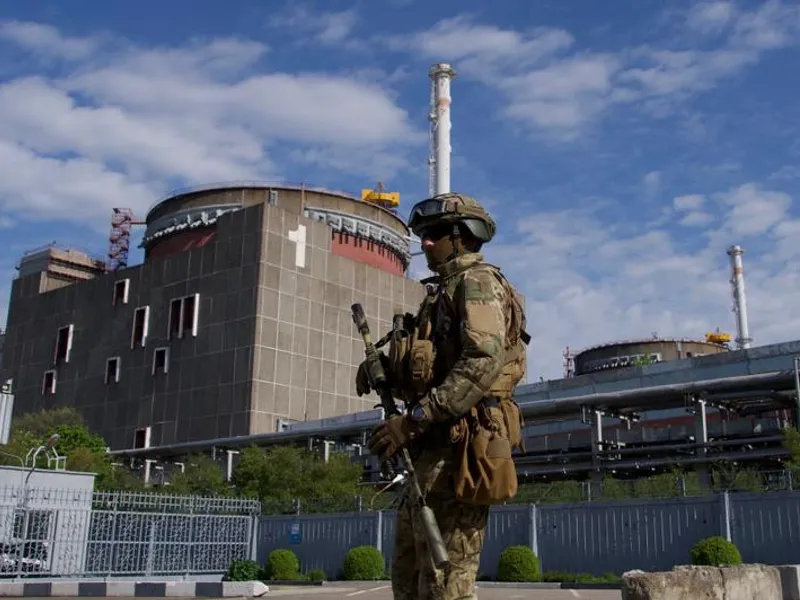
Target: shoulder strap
x=518 y=310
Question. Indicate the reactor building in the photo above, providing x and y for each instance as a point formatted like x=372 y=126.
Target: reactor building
x=627 y=353
x=237 y=321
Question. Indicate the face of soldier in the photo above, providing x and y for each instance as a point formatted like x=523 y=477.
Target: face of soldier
x=438 y=246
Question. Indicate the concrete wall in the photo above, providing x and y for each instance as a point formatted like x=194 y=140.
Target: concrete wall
x=205 y=391
x=307 y=348
x=274 y=337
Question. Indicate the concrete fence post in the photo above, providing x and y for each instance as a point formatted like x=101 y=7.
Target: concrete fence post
x=254 y=532
x=533 y=529
x=726 y=517
x=379 y=531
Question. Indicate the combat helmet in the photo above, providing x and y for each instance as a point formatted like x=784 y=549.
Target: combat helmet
x=455 y=208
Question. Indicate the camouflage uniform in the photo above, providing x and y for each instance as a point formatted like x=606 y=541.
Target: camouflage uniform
x=476 y=325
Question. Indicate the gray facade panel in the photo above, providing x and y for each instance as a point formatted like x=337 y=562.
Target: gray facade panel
x=274 y=337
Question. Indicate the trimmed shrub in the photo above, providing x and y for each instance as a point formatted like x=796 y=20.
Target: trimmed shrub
x=317 y=575
x=363 y=563
x=565 y=577
x=715 y=551
x=243 y=570
x=518 y=563
x=282 y=565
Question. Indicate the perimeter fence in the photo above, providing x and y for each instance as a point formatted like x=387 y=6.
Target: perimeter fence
x=79 y=533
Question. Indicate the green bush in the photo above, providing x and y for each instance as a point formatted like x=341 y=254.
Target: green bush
x=317 y=575
x=243 y=570
x=363 y=563
x=518 y=563
x=282 y=565
x=715 y=551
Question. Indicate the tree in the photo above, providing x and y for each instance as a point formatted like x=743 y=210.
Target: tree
x=84 y=451
x=202 y=477
x=280 y=474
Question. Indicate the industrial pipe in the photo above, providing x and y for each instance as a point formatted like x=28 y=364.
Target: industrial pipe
x=639 y=398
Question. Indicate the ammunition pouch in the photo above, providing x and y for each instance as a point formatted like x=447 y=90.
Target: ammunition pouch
x=421 y=360
x=485 y=437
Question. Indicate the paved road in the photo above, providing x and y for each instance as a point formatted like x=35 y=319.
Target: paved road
x=383 y=592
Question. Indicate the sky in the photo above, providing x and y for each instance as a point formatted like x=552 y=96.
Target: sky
x=621 y=151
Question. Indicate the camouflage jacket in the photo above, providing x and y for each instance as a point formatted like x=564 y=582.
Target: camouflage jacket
x=477 y=332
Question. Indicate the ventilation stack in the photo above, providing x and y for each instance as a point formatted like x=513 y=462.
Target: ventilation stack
x=743 y=338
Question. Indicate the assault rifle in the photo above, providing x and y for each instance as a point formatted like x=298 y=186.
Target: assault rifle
x=379 y=383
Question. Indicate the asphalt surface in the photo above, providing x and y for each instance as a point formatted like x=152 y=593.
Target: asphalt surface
x=383 y=591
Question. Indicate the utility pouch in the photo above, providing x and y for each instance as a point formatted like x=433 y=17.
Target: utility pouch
x=421 y=360
x=514 y=422
x=486 y=473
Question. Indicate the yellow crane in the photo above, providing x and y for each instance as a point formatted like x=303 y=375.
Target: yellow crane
x=379 y=196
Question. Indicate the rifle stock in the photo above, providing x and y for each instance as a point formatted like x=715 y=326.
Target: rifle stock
x=378 y=381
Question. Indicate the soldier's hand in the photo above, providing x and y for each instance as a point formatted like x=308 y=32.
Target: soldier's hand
x=362 y=379
x=363 y=385
x=391 y=435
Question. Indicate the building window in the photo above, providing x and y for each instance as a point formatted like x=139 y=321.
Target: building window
x=183 y=316
x=174 y=318
x=141 y=317
x=161 y=360
x=112 y=370
x=120 y=295
x=49 y=383
x=141 y=438
x=63 y=345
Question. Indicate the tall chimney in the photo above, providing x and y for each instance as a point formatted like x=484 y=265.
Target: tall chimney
x=743 y=338
x=439 y=161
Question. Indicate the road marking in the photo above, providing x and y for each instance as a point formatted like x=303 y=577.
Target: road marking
x=575 y=593
x=376 y=589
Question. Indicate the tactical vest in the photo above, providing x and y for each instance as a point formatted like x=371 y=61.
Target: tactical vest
x=493 y=428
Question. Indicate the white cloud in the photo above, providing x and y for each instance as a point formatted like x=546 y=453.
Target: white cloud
x=754 y=211
x=46 y=41
x=690 y=202
x=558 y=93
x=587 y=281
x=696 y=218
x=326 y=27
x=710 y=17
x=116 y=127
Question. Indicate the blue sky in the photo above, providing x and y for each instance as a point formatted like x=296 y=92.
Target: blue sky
x=621 y=151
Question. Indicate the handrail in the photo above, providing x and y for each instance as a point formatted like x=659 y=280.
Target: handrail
x=250 y=184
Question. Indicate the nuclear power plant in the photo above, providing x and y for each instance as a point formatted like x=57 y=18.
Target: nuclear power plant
x=236 y=329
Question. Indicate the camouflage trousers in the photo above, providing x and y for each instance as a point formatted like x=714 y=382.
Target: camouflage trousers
x=463 y=528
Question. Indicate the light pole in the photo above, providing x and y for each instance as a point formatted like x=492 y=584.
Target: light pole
x=51 y=441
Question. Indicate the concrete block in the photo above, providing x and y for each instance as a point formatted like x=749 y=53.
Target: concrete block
x=123 y=589
x=64 y=588
x=790 y=581
x=246 y=589
x=751 y=582
x=699 y=582
x=740 y=582
x=180 y=588
x=12 y=588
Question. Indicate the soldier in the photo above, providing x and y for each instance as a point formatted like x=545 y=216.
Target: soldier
x=456 y=371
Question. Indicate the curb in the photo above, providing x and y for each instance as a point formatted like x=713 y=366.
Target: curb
x=129 y=589
x=521 y=585
x=549 y=585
